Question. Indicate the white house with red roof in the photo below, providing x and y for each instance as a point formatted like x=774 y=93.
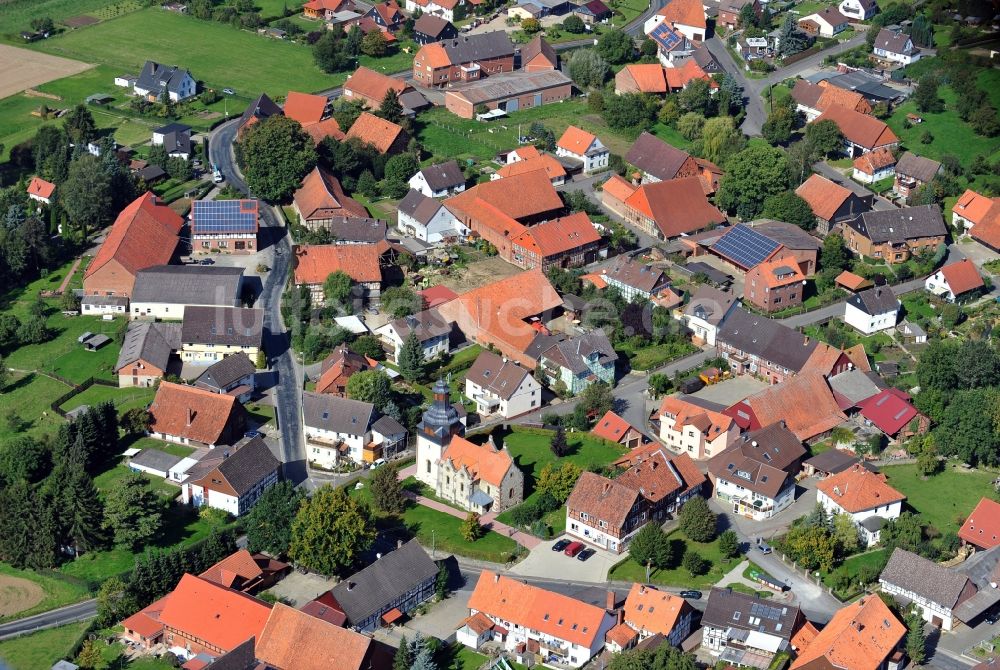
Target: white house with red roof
x=41 y=190
x=615 y=429
x=864 y=496
x=955 y=280
x=686 y=17
x=982 y=528
x=585 y=147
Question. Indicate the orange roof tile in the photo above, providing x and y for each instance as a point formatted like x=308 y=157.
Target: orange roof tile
x=295 y=640
x=680 y=77
x=657 y=473
x=595 y=279
x=834 y=95
x=325 y=128
x=240 y=564
x=146 y=622
x=652 y=611
x=559 y=236
x=805 y=403
x=485 y=462
x=710 y=424
x=982 y=528
x=375 y=131
x=143 y=235
x=861 y=129
x=553 y=168
x=362 y=262
x=305 y=108
x=322 y=197
x=550 y=613
x=485 y=215
x=191 y=412
x=41 y=188
x=618 y=187
x=520 y=196
x=576 y=140
x=962 y=276
x=527 y=152
x=823 y=358
x=823 y=196
x=221 y=617
x=778 y=273
x=873 y=161
x=851 y=281
x=860 y=636
x=804 y=636
x=685 y=12
x=623 y=635
x=479 y=623
x=858 y=489
x=433 y=56
x=612 y=427
x=648 y=77
x=973 y=206
x=371 y=84
x=676 y=206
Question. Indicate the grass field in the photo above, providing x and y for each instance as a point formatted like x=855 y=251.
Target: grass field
x=655 y=355
x=942 y=499
x=57 y=592
x=41 y=650
x=28 y=396
x=123 y=399
x=25 y=68
x=17 y=14
x=676 y=576
x=872 y=560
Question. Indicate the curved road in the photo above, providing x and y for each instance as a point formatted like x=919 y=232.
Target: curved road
x=64 y=615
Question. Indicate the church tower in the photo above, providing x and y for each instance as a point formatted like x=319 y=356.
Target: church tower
x=434 y=432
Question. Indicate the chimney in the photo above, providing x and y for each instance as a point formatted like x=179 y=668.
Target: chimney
x=621 y=617
x=496 y=577
x=190 y=418
x=350 y=586
x=607 y=486
x=611 y=601
x=806 y=340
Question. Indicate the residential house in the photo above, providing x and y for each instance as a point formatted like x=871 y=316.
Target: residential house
x=462 y=59
x=863 y=635
x=614 y=192
x=234 y=375
x=175 y=138
x=892 y=412
x=387 y=15
x=388 y=589
x=339 y=367
x=912 y=172
x=593 y=12
x=41 y=191
x=827 y=22
x=364 y=263
x=746 y=245
x=479 y=478
x=165 y=291
x=553 y=169
x=261 y=108
x=934 y=590
x=729 y=13
x=756 y=474
x=538 y=55
x=832 y=203
x=145 y=353
x=956 y=281
x=433 y=332
x=897 y=234
x=853 y=388
x=534 y=622
x=501 y=387
x=570 y=241
x=895 y=46
x=579 y=361
x=339 y=428
x=657 y=79
x=706 y=311
x=321 y=200
x=508 y=92
x=633 y=279
x=237 y=482
x=305 y=108
x=864 y=496
x=659 y=161
x=145 y=233
x=774 y=285
x=982 y=528
x=246 y=572
x=370 y=86
x=440 y=180
x=672 y=46
x=579 y=145
x=686 y=17
x=650 y=612
x=874 y=166
x=209 y=334
x=429 y=28
x=230 y=226
x=872 y=310
x=979 y=217
x=198 y=616
x=858 y=10
x=386 y=137
x=744 y=630
x=668 y=209
x=426 y=219
x=814 y=99
x=326 y=9
x=193 y=416
x=442 y=8
x=613 y=428
x=688 y=428
x=862 y=133
x=805 y=404
x=155 y=78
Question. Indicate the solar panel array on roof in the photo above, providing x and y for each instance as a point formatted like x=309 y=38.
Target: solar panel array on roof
x=744 y=246
x=210 y=217
x=666 y=37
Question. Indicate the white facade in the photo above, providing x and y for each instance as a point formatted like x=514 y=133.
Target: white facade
x=432 y=346
x=826 y=29
x=419 y=183
x=693 y=442
x=443 y=224
x=869 y=323
x=881 y=173
x=693 y=33
x=575 y=655
x=595 y=158
x=323 y=447
x=931 y=612
x=853 y=9
x=433 y=8
x=98 y=307
x=598 y=535
x=743 y=498
x=890 y=511
x=938 y=285
x=200 y=496
x=905 y=57
x=525 y=398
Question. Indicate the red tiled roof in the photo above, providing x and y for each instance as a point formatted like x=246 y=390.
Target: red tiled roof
x=805 y=403
x=861 y=129
x=305 y=108
x=851 y=281
x=652 y=611
x=325 y=128
x=618 y=187
x=860 y=636
x=553 y=168
x=559 y=236
x=520 y=196
x=485 y=462
x=685 y=12
x=676 y=206
x=143 y=235
x=41 y=188
x=322 y=197
x=371 y=84
x=823 y=196
x=221 y=617
x=436 y=295
x=873 y=161
x=858 y=489
x=240 y=564
x=293 y=639
x=680 y=77
x=962 y=276
x=146 y=622
x=973 y=206
x=890 y=410
x=982 y=528
x=362 y=262
x=576 y=140
x=375 y=131
x=648 y=77
x=190 y=412
x=612 y=427
x=778 y=273
x=622 y=635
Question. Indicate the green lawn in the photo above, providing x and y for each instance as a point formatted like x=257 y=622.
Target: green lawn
x=42 y=649
x=123 y=399
x=58 y=592
x=853 y=566
x=17 y=14
x=28 y=397
x=630 y=571
x=670 y=135
x=942 y=499
x=110 y=478
x=655 y=355
x=917 y=305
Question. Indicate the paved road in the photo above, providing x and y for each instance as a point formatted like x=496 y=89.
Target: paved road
x=277 y=342
x=64 y=615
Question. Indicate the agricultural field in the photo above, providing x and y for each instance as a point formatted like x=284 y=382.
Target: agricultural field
x=41 y=650
x=24 y=68
x=25 y=592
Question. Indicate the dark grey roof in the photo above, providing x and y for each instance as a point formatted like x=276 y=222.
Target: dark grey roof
x=233 y=326
x=261 y=108
x=155 y=459
x=704 y=58
x=714 y=275
x=857 y=385
x=229 y=370
x=654 y=156
x=485 y=46
x=710 y=304
x=766 y=338
x=900 y=225
x=188 y=285
x=787 y=234
x=117 y=300
x=833 y=461
x=150 y=342
x=386 y=425
x=871 y=87
x=413 y=100
x=177 y=142
x=731 y=609
x=893 y=41
x=250 y=463
x=918 y=167
x=873 y=524
x=378 y=587
x=875 y=300
x=430 y=25
x=172 y=128
x=154 y=76
x=342 y=415
x=571 y=353
x=914 y=573
x=151 y=172
x=541 y=343
x=427 y=324
x=444 y=175
x=496 y=374
x=762 y=461
x=356 y=229
x=637 y=275
x=419 y=206
x=442 y=419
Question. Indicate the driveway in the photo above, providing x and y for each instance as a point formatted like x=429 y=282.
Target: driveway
x=543 y=562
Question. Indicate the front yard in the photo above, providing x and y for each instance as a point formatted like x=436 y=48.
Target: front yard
x=945 y=499
x=676 y=576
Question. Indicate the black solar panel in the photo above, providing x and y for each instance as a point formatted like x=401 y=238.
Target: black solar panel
x=224 y=216
x=744 y=246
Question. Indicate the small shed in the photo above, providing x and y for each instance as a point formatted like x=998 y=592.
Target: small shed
x=99 y=99
x=851 y=282
x=154 y=462
x=96 y=342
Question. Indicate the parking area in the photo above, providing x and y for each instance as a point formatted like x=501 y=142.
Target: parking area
x=543 y=562
x=731 y=391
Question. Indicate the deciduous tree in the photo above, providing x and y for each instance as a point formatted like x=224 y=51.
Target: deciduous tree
x=132 y=513
x=472 y=530
x=729 y=544
x=268 y=525
x=751 y=177
x=330 y=531
x=616 y=46
x=697 y=521
x=558 y=480
x=651 y=546
x=276 y=154
x=371 y=386
x=86 y=194
x=588 y=69
x=788 y=206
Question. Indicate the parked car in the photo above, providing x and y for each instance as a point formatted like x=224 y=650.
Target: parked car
x=763 y=547
x=252 y=434
x=378 y=463
x=228 y=91
x=207 y=261
x=693 y=595
x=560 y=545
x=992 y=617
x=573 y=549
x=585 y=554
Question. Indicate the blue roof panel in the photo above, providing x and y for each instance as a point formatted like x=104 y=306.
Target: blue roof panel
x=744 y=246
x=213 y=217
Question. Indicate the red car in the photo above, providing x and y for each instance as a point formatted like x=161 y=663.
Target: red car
x=573 y=549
